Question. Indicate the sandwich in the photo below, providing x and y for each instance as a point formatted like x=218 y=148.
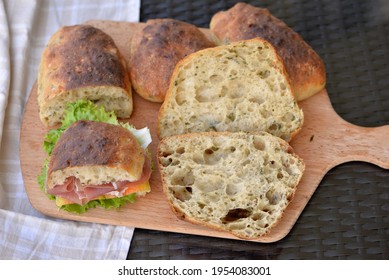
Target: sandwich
x=95 y=160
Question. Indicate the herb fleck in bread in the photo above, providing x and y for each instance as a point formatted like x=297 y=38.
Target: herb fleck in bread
x=237 y=87
x=82 y=62
x=243 y=21
x=236 y=182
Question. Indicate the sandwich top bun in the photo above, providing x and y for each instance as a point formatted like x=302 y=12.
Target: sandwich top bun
x=236 y=182
x=155 y=51
x=82 y=62
x=243 y=21
x=95 y=153
x=241 y=86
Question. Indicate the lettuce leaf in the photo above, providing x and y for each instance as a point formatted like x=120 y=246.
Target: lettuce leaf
x=87 y=110
x=105 y=203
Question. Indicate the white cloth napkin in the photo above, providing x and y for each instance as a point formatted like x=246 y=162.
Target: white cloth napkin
x=25 y=28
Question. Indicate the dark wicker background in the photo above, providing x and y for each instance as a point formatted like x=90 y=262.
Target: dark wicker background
x=348 y=216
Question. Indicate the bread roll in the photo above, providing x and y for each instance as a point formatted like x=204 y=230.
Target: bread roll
x=155 y=51
x=237 y=87
x=243 y=21
x=236 y=182
x=82 y=62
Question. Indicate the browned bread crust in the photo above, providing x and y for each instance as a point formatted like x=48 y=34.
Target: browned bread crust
x=90 y=143
x=77 y=59
x=155 y=51
x=243 y=21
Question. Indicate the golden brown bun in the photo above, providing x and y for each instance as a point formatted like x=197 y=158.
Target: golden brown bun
x=82 y=62
x=243 y=21
x=155 y=51
x=236 y=182
x=95 y=153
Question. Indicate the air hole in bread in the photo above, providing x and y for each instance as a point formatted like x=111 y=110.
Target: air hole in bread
x=263 y=74
x=285 y=137
x=257 y=216
x=273 y=197
x=180 y=150
x=288 y=117
x=258 y=100
x=180 y=97
x=273 y=127
x=233 y=72
x=233 y=189
x=201 y=205
x=181 y=193
x=265 y=113
x=208 y=187
x=236 y=214
x=214 y=79
x=198 y=159
x=211 y=157
x=192 y=119
x=207 y=94
x=166 y=161
x=231 y=116
x=183 y=179
x=237 y=226
x=234 y=90
x=259 y=144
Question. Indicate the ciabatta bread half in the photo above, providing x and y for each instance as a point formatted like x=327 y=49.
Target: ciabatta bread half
x=304 y=66
x=237 y=182
x=82 y=62
x=237 y=87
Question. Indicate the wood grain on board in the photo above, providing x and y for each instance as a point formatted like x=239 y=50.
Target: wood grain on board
x=325 y=141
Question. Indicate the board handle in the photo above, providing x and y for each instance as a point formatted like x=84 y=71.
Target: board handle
x=333 y=140
x=370 y=144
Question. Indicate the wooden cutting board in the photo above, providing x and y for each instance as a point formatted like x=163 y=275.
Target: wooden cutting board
x=325 y=141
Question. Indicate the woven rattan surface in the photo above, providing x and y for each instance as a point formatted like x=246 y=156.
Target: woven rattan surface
x=348 y=216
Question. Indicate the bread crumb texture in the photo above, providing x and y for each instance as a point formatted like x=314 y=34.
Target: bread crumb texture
x=237 y=182
x=236 y=87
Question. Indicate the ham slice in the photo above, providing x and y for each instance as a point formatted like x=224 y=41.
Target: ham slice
x=73 y=191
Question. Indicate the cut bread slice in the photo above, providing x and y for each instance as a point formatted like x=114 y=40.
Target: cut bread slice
x=237 y=87
x=232 y=181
